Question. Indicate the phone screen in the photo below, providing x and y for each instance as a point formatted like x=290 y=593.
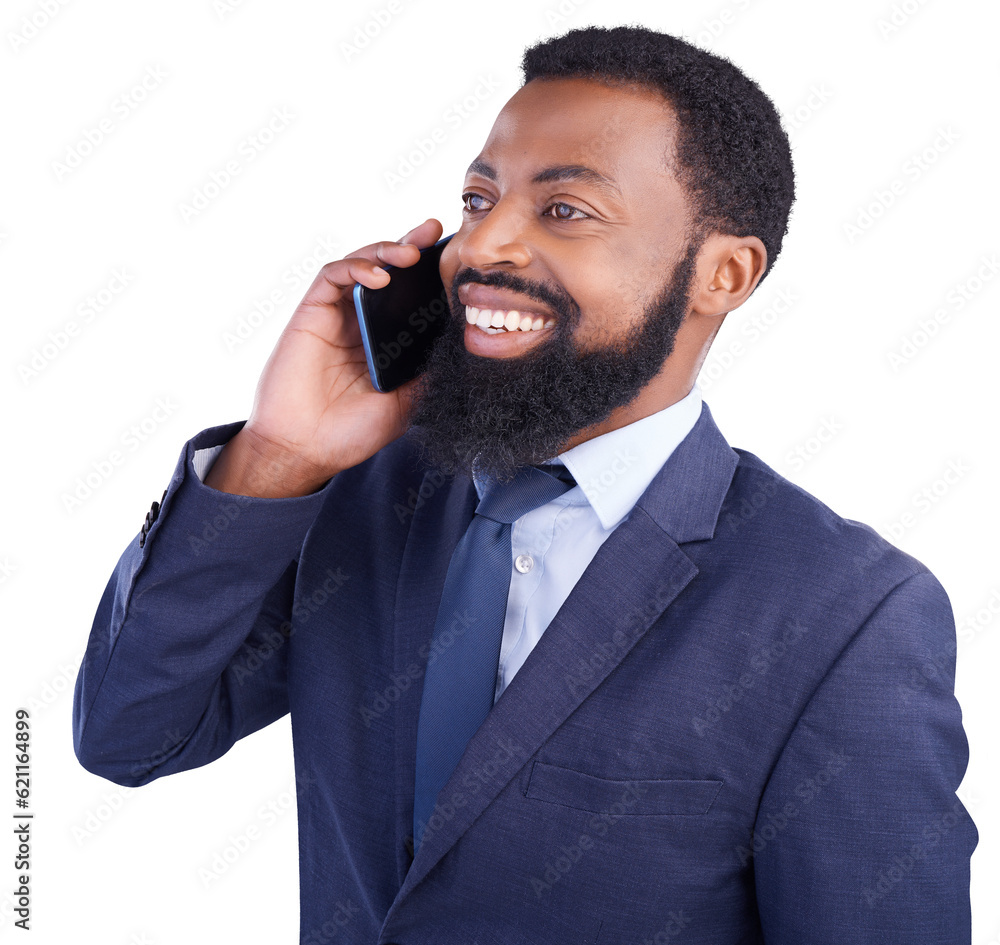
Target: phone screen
x=400 y=322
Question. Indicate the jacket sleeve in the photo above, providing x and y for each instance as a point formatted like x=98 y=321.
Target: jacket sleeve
x=860 y=836
x=188 y=648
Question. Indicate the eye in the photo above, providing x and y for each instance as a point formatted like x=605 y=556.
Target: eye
x=563 y=211
x=473 y=202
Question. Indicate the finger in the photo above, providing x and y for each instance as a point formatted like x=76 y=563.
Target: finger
x=337 y=279
x=425 y=234
x=400 y=252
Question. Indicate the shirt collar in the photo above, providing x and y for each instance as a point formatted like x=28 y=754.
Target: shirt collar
x=615 y=468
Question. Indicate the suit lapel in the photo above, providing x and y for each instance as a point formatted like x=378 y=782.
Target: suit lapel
x=632 y=579
x=438 y=524
x=636 y=573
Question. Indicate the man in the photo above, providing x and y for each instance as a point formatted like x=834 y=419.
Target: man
x=694 y=725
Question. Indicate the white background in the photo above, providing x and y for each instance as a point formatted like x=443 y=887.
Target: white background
x=866 y=90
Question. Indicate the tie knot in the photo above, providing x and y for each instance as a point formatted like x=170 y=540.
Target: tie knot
x=531 y=487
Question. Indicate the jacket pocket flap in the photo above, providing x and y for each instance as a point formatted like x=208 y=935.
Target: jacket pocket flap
x=603 y=795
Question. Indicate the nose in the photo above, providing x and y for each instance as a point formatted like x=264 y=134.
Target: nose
x=498 y=239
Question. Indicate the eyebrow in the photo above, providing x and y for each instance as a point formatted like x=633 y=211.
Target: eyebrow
x=559 y=172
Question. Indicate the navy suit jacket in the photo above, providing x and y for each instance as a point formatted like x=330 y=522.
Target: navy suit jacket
x=739 y=728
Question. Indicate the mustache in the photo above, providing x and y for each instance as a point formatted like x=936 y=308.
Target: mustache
x=552 y=296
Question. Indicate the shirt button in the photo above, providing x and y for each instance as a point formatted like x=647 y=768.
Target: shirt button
x=524 y=563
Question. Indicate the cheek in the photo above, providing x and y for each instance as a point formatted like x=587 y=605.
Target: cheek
x=609 y=274
x=605 y=294
x=636 y=275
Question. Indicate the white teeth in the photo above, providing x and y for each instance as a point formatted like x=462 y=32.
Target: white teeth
x=494 y=320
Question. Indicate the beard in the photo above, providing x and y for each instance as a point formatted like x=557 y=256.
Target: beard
x=495 y=415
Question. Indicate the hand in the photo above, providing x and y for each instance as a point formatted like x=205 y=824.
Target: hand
x=315 y=412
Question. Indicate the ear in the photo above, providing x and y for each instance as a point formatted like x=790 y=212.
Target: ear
x=727 y=270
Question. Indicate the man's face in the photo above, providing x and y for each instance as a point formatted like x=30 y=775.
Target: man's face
x=575 y=231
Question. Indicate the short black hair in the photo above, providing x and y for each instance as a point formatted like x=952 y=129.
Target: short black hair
x=734 y=158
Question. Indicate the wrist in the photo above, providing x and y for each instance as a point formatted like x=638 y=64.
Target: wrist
x=253 y=466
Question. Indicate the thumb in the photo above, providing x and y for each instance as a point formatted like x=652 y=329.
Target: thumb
x=408 y=395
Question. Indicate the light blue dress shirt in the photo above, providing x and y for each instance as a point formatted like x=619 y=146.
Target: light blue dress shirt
x=552 y=545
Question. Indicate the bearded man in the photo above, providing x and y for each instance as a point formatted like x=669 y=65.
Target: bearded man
x=562 y=666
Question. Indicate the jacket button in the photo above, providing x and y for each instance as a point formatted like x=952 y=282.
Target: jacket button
x=151 y=517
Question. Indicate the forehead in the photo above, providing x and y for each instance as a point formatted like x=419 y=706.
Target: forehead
x=622 y=131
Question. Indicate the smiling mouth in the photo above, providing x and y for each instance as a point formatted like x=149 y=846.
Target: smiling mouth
x=496 y=320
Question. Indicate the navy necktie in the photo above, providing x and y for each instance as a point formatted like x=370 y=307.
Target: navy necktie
x=460 y=681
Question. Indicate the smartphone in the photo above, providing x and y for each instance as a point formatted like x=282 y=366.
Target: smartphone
x=400 y=322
